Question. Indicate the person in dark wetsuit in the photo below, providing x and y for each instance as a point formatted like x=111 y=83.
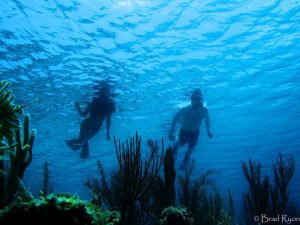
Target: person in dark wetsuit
x=101 y=107
x=191 y=118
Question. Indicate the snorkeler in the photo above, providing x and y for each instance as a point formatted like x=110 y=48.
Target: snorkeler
x=191 y=117
x=101 y=107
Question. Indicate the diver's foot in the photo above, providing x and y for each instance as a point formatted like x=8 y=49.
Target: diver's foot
x=183 y=165
x=73 y=145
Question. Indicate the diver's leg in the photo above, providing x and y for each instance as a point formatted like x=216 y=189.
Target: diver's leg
x=186 y=159
x=182 y=140
x=85 y=131
x=93 y=132
x=184 y=164
x=192 y=142
x=76 y=144
x=85 y=151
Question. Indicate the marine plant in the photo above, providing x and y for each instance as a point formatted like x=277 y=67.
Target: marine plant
x=202 y=198
x=136 y=174
x=169 y=179
x=56 y=209
x=104 y=191
x=161 y=192
x=46 y=186
x=263 y=197
x=175 y=215
x=130 y=182
x=15 y=146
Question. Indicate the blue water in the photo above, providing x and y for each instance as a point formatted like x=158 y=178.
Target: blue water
x=243 y=54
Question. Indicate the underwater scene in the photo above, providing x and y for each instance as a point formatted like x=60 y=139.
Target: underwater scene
x=147 y=112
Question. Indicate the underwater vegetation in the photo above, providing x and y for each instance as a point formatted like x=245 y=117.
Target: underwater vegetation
x=15 y=145
x=198 y=205
x=137 y=192
x=57 y=209
x=263 y=197
x=178 y=216
x=202 y=198
x=46 y=186
x=130 y=182
x=136 y=174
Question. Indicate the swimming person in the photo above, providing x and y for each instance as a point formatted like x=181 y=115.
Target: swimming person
x=191 y=117
x=101 y=107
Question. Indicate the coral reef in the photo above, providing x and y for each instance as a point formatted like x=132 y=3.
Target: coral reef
x=46 y=186
x=136 y=174
x=57 y=209
x=174 y=215
x=13 y=144
x=130 y=183
x=203 y=199
x=200 y=196
x=105 y=193
x=9 y=122
x=162 y=192
x=169 y=179
x=264 y=197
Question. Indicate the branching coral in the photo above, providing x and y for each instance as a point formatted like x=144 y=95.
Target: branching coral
x=46 y=186
x=169 y=179
x=136 y=174
x=9 y=122
x=55 y=209
x=13 y=144
x=263 y=197
x=161 y=193
x=203 y=199
x=128 y=184
x=175 y=215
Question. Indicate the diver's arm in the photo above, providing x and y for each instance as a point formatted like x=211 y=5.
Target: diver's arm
x=108 y=121
x=207 y=123
x=85 y=112
x=173 y=125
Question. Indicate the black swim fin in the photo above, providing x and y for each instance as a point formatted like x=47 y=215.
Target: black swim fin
x=85 y=151
x=73 y=144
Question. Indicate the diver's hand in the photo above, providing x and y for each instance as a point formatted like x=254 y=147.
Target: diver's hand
x=209 y=134
x=171 y=137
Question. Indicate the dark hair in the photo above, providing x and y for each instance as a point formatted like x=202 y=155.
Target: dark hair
x=102 y=89
x=197 y=93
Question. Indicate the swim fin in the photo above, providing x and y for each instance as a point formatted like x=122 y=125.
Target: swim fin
x=85 y=151
x=73 y=144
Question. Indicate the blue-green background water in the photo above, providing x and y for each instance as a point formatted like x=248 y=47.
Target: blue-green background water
x=243 y=54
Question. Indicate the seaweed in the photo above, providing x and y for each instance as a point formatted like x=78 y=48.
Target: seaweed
x=161 y=193
x=130 y=182
x=263 y=197
x=46 y=186
x=136 y=174
x=202 y=198
x=175 y=215
x=55 y=209
x=15 y=146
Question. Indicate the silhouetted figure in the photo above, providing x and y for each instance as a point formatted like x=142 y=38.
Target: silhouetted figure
x=101 y=107
x=191 y=117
